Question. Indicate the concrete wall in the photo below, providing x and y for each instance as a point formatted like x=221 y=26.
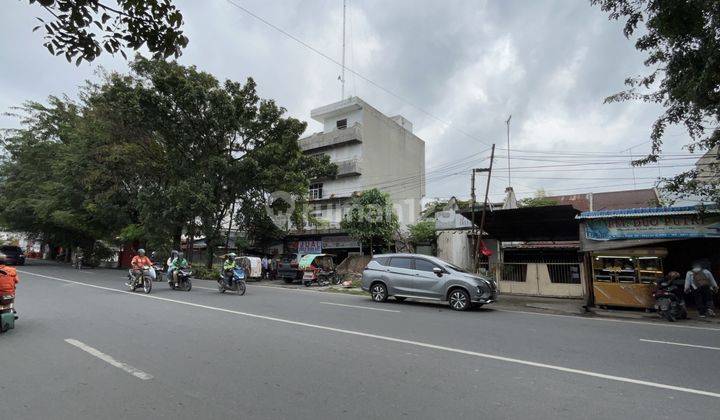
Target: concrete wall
x=393 y=161
x=453 y=246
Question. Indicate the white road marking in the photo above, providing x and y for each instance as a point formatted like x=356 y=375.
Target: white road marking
x=359 y=307
x=409 y=342
x=680 y=344
x=109 y=359
x=621 y=321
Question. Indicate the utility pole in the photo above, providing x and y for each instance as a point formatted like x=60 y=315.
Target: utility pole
x=507 y=122
x=475 y=235
x=342 y=75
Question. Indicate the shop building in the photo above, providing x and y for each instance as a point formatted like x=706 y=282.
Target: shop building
x=628 y=250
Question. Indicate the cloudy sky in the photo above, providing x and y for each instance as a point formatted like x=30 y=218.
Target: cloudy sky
x=457 y=69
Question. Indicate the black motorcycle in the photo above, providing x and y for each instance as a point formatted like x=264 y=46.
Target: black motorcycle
x=183 y=277
x=669 y=302
x=7 y=313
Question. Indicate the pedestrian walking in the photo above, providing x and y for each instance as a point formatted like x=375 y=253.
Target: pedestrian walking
x=265 y=266
x=701 y=283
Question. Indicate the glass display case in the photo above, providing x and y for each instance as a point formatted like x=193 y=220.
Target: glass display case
x=627 y=277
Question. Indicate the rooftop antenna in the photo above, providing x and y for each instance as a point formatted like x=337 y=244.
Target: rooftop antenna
x=342 y=75
x=508 y=149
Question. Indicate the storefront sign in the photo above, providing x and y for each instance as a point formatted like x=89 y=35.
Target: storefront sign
x=654 y=227
x=334 y=242
x=310 y=247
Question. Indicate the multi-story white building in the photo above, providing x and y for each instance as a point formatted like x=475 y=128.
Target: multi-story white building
x=371 y=150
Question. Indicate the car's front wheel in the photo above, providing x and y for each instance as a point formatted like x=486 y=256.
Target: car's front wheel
x=378 y=292
x=459 y=300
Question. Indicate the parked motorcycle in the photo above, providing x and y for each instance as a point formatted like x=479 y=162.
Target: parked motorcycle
x=7 y=313
x=236 y=283
x=144 y=280
x=184 y=282
x=669 y=302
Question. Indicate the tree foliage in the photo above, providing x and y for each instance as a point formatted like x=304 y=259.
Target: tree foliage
x=682 y=42
x=82 y=30
x=539 y=200
x=149 y=155
x=371 y=218
x=422 y=232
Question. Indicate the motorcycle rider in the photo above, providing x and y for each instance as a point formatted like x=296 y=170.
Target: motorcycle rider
x=8 y=280
x=138 y=262
x=177 y=264
x=169 y=263
x=228 y=266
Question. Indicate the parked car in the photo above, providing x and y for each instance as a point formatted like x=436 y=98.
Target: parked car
x=289 y=268
x=12 y=255
x=424 y=277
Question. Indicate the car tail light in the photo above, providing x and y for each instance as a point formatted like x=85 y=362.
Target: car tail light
x=294 y=265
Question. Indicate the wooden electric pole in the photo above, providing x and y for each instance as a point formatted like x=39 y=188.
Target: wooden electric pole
x=478 y=235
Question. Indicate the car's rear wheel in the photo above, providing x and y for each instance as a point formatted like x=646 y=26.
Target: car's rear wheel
x=459 y=300
x=378 y=292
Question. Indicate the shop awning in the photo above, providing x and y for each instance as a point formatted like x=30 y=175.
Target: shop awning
x=647 y=212
x=546 y=223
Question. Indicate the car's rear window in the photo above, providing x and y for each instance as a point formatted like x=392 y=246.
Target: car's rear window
x=401 y=262
x=289 y=258
x=381 y=260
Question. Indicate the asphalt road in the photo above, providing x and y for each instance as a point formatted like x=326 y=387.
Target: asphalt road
x=84 y=348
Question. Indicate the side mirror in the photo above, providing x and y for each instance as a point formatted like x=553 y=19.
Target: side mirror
x=438 y=271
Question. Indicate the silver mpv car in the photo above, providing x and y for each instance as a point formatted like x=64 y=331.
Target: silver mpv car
x=425 y=277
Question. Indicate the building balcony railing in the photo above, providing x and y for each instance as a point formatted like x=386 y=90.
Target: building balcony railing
x=323 y=141
x=349 y=167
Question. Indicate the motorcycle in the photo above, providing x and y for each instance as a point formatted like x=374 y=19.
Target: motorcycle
x=236 y=282
x=184 y=282
x=144 y=280
x=7 y=313
x=669 y=302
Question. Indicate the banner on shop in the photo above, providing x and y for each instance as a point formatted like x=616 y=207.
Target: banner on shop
x=310 y=247
x=654 y=227
x=335 y=242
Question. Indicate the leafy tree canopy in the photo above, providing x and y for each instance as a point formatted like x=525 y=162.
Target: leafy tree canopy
x=682 y=42
x=81 y=30
x=539 y=200
x=371 y=218
x=422 y=232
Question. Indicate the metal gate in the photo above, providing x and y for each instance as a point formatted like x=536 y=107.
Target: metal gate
x=560 y=279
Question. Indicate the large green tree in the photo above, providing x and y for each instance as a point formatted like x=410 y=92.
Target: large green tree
x=682 y=42
x=83 y=29
x=149 y=155
x=371 y=218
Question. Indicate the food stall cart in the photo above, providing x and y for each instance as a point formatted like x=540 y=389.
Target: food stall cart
x=629 y=250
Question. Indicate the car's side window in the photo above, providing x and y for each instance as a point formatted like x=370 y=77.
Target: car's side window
x=401 y=262
x=424 y=265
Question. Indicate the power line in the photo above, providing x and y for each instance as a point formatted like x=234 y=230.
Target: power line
x=350 y=70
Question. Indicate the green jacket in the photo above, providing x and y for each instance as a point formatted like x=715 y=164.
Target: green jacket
x=179 y=263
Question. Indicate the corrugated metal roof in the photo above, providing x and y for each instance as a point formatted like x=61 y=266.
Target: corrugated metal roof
x=646 y=211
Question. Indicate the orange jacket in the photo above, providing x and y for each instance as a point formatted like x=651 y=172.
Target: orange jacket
x=8 y=281
x=139 y=262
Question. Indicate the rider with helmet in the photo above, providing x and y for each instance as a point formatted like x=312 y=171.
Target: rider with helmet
x=178 y=263
x=228 y=266
x=138 y=263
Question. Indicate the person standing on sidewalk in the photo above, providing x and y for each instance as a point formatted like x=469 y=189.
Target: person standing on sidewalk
x=265 y=266
x=701 y=283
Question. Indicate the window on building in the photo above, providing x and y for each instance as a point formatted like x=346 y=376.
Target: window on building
x=316 y=191
x=342 y=124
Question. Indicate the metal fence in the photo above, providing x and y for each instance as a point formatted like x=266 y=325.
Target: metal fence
x=559 y=272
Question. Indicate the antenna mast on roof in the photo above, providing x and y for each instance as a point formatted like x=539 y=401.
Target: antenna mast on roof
x=508 y=150
x=342 y=75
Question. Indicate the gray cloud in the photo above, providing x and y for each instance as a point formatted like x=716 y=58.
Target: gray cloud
x=470 y=63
